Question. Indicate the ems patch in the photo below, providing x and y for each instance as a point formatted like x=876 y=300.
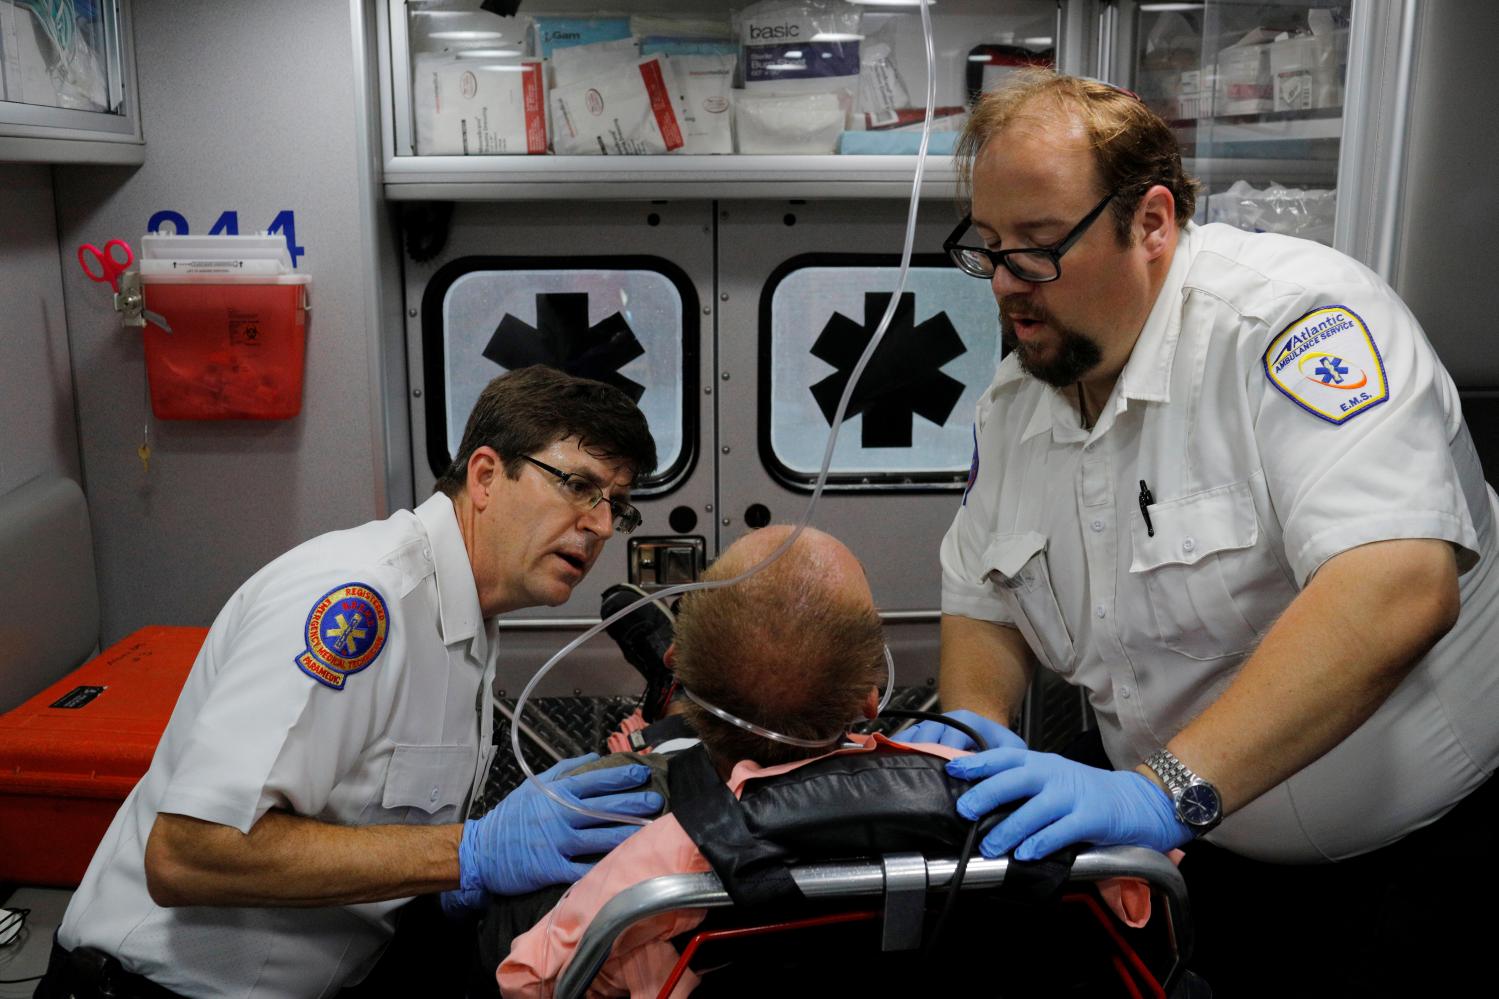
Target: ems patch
x=973 y=469
x=345 y=632
x=1328 y=364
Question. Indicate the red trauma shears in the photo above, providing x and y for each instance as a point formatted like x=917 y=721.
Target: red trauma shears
x=107 y=270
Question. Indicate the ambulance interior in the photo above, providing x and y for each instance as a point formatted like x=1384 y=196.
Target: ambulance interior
x=433 y=210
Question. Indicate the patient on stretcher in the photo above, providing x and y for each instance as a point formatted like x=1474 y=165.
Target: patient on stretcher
x=797 y=649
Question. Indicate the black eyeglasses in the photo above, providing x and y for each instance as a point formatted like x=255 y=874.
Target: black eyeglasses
x=585 y=494
x=1034 y=265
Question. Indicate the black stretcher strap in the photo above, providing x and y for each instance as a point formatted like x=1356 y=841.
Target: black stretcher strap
x=753 y=870
x=859 y=804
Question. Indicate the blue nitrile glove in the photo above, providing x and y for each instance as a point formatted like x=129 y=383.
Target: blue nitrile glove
x=994 y=734
x=1069 y=803
x=528 y=841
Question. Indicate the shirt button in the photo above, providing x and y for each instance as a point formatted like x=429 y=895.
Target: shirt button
x=1188 y=545
x=1098 y=525
x=434 y=794
x=1100 y=611
x=1124 y=692
x=427 y=554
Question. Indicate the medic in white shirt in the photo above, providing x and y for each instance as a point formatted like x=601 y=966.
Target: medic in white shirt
x=1221 y=482
x=319 y=766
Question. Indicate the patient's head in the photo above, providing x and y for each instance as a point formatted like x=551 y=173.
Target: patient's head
x=796 y=648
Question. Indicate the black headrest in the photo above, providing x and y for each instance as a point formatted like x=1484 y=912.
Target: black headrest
x=882 y=801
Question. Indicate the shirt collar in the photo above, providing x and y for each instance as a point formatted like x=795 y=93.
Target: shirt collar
x=459 y=613
x=1147 y=373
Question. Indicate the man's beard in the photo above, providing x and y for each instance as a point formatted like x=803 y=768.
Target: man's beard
x=1076 y=353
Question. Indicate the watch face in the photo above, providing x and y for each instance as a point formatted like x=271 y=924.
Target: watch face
x=1199 y=805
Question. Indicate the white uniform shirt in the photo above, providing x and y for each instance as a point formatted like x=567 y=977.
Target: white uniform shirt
x=405 y=739
x=1256 y=481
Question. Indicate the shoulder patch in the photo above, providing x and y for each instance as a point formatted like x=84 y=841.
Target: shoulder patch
x=1327 y=363
x=345 y=632
x=973 y=469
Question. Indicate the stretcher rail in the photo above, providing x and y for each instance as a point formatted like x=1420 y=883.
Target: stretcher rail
x=855 y=878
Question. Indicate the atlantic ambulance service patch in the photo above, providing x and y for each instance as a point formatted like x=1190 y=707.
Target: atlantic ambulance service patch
x=345 y=632
x=1328 y=364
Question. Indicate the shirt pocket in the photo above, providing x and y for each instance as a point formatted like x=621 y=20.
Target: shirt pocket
x=434 y=780
x=1213 y=587
x=1017 y=565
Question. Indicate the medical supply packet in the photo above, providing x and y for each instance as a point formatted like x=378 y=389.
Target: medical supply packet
x=882 y=92
x=628 y=110
x=704 y=85
x=802 y=123
x=547 y=34
x=681 y=26
x=468 y=106
x=805 y=47
x=580 y=62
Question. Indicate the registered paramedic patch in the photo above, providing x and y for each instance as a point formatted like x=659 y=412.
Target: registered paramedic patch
x=1328 y=364
x=345 y=632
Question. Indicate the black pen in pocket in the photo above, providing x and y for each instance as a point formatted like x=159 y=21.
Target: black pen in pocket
x=1145 y=500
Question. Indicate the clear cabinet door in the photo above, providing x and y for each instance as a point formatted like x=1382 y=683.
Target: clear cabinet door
x=1255 y=91
x=701 y=77
x=62 y=54
x=67 y=82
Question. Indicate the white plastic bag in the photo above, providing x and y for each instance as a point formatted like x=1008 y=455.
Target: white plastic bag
x=1290 y=211
x=580 y=62
x=804 y=123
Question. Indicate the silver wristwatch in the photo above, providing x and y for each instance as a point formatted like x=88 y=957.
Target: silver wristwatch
x=1198 y=804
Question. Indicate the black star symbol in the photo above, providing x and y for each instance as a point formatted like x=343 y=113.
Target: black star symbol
x=902 y=377
x=563 y=339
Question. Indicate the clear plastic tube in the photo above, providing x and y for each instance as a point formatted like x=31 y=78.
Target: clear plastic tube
x=822 y=475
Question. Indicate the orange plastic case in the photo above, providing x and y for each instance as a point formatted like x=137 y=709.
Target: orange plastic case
x=236 y=350
x=71 y=754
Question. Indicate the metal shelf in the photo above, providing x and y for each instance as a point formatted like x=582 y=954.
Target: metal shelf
x=654 y=178
x=1278 y=127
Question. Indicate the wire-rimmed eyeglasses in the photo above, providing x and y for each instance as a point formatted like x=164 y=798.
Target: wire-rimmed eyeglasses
x=1032 y=264
x=585 y=494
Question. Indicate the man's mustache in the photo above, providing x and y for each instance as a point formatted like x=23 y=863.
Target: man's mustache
x=1019 y=308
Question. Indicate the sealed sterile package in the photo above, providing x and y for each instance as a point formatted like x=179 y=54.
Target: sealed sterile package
x=804 y=123
x=802 y=47
x=681 y=26
x=470 y=106
x=882 y=93
x=579 y=62
x=548 y=34
x=704 y=83
x=446 y=27
x=628 y=110
x=674 y=45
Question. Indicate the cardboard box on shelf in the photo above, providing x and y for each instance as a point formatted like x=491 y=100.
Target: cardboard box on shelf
x=1194 y=97
x=1307 y=70
x=1244 y=84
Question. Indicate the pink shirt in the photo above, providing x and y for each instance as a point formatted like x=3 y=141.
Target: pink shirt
x=643 y=956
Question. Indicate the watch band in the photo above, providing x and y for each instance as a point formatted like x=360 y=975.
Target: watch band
x=1172 y=771
x=1197 y=803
